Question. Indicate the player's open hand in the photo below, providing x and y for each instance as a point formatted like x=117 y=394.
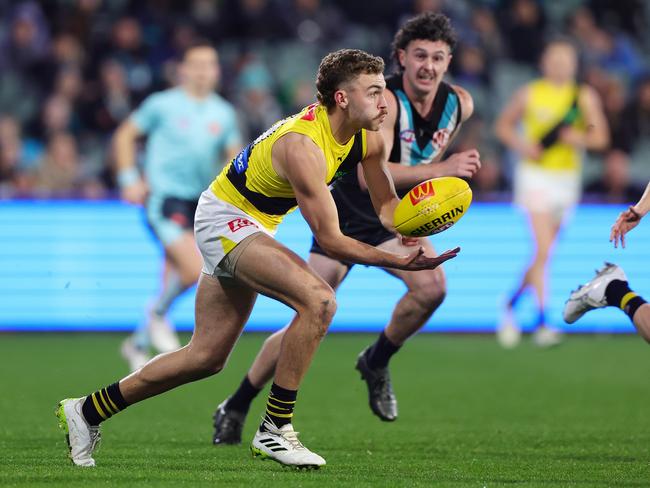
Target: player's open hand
x=463 y=164
x=625 y=222
x=417 y=260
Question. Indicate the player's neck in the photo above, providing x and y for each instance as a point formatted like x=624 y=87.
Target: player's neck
x=195 y=94
x=560 y=82
x=342 y=130
x=421 y=101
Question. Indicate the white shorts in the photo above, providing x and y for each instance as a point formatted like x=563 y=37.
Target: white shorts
x=540 y=190
x=218 y=228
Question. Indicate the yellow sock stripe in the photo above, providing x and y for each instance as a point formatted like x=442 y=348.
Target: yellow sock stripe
x=270 y=403
x=115 y=409
x=107 y=407
x=99 y=409
x=281 y=401
x=281 y=415
x=626 y=299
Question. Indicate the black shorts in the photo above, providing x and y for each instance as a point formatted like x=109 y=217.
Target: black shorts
x=358 y=224
x=169 y=217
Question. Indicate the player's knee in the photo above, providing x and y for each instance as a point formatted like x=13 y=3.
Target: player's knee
x=431 y=292
x=189 y=276
x=431 y=298
x=207 y=363
x=319 y=309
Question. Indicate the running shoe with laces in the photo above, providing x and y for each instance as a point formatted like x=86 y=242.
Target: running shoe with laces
x=281 y=444
x=591 y=295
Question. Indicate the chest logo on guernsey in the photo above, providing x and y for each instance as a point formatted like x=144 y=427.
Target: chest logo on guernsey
x=422 y=191
x=407 y=136
x=441 y=138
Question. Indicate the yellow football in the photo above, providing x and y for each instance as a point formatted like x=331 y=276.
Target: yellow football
x=432 y=206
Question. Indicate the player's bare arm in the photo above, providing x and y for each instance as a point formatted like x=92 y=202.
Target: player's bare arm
x=629 y=219
x=301 y=162
x=464 y=164
x=596 y=136
x=506 y=130
x=132 y=188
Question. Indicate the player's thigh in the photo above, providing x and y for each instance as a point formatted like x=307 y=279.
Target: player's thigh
x=431 y=280
x=331 y=270
x=222 y=308
x=185 y=256
x=272 y=269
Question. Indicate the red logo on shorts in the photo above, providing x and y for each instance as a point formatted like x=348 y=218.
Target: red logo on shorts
x=422 y=191
x=237 y=224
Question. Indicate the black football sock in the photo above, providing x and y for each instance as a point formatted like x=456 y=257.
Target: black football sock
x=618 y=294
x=103 y=404
x=280 y=404
x=380 y=352
x=241 y=400
x=615 y=292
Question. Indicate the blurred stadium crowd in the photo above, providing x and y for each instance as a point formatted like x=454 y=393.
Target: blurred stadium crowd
x=72 y=70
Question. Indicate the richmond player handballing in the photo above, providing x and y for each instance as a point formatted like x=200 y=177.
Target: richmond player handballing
x=424 y=114
x=287 y=167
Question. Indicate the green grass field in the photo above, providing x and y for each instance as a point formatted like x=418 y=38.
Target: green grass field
x=470 y=415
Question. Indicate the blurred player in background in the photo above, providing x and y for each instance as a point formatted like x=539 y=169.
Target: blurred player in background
x=609 y=288
x=549 y=123
x=191 y=133
x=288 y=166
x=424 y=114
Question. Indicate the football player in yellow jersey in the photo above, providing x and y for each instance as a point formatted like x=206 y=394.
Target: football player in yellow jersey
x=424 y=114
x=234 y=228
x=548 y=123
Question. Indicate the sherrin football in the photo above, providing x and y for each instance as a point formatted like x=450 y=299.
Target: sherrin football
x=432 y=206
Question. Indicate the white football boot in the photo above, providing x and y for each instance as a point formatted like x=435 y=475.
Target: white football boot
x=545 y=336
x=282 y=445
x=592 y=294
x=163 y=336
x=82 y=438
x=508 y=332
x=135 y=356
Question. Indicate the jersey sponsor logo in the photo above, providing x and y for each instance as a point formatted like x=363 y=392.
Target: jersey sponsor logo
x=311 y=113
x=407 y=136
x=214 y=128
x=241 y=160
x=237 y=224
x=420 y=192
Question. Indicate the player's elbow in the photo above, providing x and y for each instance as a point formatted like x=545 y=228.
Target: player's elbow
x=330 y=244
x=601 y=142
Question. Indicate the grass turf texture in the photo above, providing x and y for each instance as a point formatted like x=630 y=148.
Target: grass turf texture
x=471 y=415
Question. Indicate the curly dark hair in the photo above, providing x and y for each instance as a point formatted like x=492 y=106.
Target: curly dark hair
x=340 y=66
x=427 y=26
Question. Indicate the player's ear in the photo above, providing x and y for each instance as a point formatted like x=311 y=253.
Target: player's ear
x=401 y=56
x=341 y=98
